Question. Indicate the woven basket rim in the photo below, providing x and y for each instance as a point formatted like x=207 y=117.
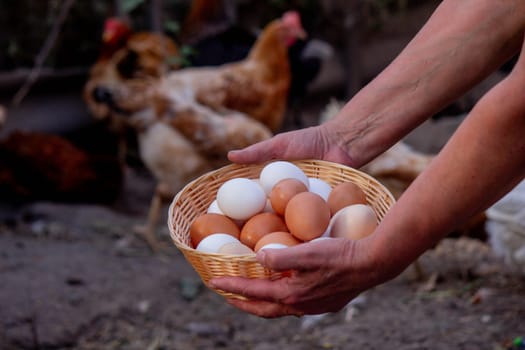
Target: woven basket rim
x=193 y=199
x=251 y=257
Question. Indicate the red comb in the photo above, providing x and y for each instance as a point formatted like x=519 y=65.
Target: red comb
x=292 y=18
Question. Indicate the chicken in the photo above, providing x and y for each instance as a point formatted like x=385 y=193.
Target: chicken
x=258 y=85
x=189 y=119
x=397 y=167
x=126 y=58
x=212 y=30
x=180 y=140
x=506 y=228
x=36 y=166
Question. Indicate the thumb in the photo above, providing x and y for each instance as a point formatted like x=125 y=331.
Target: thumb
x=305 y=256
x=287 y=145
x=256 y=153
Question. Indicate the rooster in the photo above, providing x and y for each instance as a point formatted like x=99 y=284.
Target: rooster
x=189 y=119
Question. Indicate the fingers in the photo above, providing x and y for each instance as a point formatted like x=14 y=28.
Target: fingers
x=295 y=287
x=265 y=308
x=274 y=148
x=255 y=153
x=269 y=309
x=288 y=145
x=305 y=256
x=257 y=289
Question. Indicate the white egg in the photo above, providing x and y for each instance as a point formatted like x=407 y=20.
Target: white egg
x=322 y=238
x=273 y=246
x=214 y=208
x=274 y=172
x=326 y=233
x=214 y=242
x=241 y=198
x=355 y=221
x=320 y=187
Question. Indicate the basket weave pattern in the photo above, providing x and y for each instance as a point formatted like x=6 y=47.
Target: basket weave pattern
x=194 y=199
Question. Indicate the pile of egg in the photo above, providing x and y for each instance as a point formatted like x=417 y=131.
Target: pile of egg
x=282 y=208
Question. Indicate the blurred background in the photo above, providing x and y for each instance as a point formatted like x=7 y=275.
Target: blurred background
x=86 y=260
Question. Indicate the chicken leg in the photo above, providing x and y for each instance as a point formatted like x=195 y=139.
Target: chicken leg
x=147 y=232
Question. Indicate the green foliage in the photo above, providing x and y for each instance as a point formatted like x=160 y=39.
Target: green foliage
x=130 y=5
x=171 y=26
x=183 y=59
x=25 y=25
x=377 y=11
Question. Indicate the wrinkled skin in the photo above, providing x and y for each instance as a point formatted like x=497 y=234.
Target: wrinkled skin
x=315 y=142
x=319 y=283
x=482 y=161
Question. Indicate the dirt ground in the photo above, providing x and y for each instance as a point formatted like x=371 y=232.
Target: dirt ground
x=76 y=277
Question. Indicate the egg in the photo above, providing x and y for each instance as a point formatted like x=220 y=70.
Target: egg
x=307 y=216
x=214 y=242
x=214 y=208
x=283 y=191
x=320 y=187
x=345 y=194
x=268 y=207
x=276 y=171
x=273 y=246
x=241 y=198
x=322 y=238
x=235 y=248
x=284 y=238
x=206 y=224
x=260 y=225
x=353 y=222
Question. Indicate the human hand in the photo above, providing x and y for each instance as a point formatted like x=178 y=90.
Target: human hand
x=319 y=142
x=325 y=276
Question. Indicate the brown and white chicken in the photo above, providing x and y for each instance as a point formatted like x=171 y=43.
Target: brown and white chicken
x=126 y=58
x=188 y=119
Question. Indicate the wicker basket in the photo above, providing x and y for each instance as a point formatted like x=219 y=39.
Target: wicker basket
x=194 y=199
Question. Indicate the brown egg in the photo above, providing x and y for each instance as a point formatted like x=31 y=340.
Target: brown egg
x=345 y=194
x=284 y=238
x=283 y=191
x=307 y=216
x=209 y=223
x=260 y=225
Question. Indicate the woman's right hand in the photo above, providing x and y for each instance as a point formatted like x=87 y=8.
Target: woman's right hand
x=319 y=142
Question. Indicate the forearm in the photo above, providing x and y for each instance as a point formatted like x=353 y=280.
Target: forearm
x=483 y=160
x=461 y=43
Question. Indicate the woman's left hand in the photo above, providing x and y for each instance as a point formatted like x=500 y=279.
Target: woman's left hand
x=324 y=277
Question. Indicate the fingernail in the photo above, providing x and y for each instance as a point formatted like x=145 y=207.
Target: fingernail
x=211 y=284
